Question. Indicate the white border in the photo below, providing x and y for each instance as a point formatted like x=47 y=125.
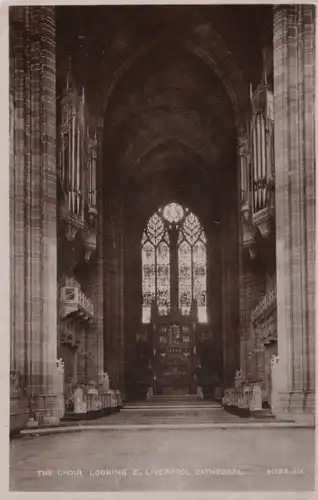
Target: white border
x=5 y=282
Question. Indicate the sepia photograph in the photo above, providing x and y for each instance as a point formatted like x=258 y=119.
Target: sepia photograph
x=162 y=247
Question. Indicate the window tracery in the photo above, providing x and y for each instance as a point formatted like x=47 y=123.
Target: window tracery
x=174 y=230
x=192 y=266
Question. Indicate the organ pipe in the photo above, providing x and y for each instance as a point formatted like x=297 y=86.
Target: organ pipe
x=69 y=164
x=78 y=171
x=77 y=154
x=261 y=146
x=73 y=162
x=254 y=146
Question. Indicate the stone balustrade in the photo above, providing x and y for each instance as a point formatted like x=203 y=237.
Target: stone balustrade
x=85 y=303
x=247 y=397
x=232 y=397
x=265 y=306
x=93 y=400
x=75 y=302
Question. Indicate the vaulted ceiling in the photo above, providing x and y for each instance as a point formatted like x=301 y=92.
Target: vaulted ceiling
x=171 y=84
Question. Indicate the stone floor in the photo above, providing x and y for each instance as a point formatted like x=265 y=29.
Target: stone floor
x=165 y=460
x=115 y=456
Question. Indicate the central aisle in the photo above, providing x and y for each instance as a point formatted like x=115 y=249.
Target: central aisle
x=167 y=443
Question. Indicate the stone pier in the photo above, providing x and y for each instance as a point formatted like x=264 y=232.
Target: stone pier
x=33 y=206
x=294 y=82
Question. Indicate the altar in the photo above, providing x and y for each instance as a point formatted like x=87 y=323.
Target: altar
x=174 y=358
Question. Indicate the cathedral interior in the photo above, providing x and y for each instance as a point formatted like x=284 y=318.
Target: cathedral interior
x=162 y=187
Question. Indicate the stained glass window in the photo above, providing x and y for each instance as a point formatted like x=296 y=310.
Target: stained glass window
x=191 y=228
x=199 y=279
x=173 y=212
x=163 y=276
x=155 y=267
x=191 y=274
x=192 y=266
x=148 y=278
x=184 y=272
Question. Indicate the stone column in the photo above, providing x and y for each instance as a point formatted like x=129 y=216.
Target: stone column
x=109 y=270
x=214 y=290
x=94 y=284
x=133 y=298
x=33 y=205
x=121 y=308
x=251 y=275
x=100 y=261
x=294 y=84
x=230 y=282
x=114 y=291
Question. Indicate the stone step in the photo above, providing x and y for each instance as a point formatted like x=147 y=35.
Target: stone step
x=166 y=419
x=171 y=408
x=202 y=413
x=177 y=420
x=174 y=402
x=265 y=413
x=184 y=411
x=175 y=396
x=178 y=415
